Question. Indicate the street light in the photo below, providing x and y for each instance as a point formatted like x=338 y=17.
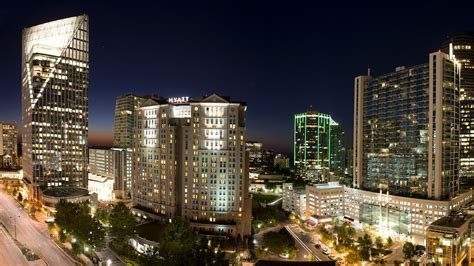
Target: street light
x=14 y=219
x=109 y=262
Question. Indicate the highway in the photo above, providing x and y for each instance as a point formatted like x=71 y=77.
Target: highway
x=31 y=234
x=10 y=254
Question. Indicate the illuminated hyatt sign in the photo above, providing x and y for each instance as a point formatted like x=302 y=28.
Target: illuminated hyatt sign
x=183 y=99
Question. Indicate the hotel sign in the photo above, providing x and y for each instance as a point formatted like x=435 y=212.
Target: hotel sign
x=183 y=99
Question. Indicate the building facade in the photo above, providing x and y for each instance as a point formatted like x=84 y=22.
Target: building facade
x=190 y=161
x=324 y=201
x=406 y=130
x=55 y=83
x=317 y=144
x=8 y=146
x=294 y=200
x=110 y=173
x=393 y=215
x=281 y=161
x=462 y=47
x=124 y=119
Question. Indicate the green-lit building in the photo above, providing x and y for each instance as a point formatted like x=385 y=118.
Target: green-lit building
x=318 y=144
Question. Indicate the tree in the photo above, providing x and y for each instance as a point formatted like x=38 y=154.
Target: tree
x=389 y=242
x=379 y=244
x=419 y=250
x=102 y=215
x=177 y=241
x=122 y=224
x=20 y=197
x=75 y=219
x=279 y=242
x=408 y=250
x=365 y=244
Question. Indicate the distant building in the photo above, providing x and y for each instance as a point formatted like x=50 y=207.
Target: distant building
x=55 y=107
x=281 y=161
x=110 y=173
x=254 y=149
x=191 y=162
x=449 y=240
x=124 y=119
x=294 y=200
x=267 y=158
x=462 y=47
x=324 y=201
x=406 y=130
x=318 y=144
x=8 y=146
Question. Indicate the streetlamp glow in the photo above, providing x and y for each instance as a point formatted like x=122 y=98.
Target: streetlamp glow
x=109 y=262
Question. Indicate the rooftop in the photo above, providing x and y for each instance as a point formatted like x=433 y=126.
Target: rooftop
x=64 y=192
x=452 y=221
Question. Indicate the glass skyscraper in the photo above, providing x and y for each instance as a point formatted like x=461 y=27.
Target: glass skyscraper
x=462 y=47
x=125 y=109
x=318 y=141
x=406 y=130
x=55 y=83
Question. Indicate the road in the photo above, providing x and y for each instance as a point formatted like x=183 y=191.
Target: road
x=30 y=233
x=10 y=254
x=305 y=241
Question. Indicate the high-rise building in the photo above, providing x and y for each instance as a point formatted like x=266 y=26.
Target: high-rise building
x=190 y=161
x=8 y=146
x=462 y=47
x=55 y=83
x=110 y=173
x=124 y=120
x=318 y=142
x=406 y=130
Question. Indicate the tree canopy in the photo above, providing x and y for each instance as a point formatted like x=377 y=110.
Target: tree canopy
x=122 y=224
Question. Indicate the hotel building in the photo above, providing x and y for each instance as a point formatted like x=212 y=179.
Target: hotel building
x=55 y=83
x=8 y=146
x=317 y=144
x=462 y=47
x=406 y=130
x=190 y=161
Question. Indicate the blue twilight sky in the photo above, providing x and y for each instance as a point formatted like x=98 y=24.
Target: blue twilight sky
x=279 y=58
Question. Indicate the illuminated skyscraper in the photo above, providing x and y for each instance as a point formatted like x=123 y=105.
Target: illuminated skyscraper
x=462 y=46
x=55 y=83
x=406 y=130
x=190 y=161
x=318 y=141
x=125 y=108
x=8 y=145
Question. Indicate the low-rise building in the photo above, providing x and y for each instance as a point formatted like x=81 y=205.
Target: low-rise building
x=110 y=173
x=448 y=240
x=324 y=201
x=294 y=200
x=404 y=217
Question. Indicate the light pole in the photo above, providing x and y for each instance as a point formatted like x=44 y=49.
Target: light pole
x=14 y=219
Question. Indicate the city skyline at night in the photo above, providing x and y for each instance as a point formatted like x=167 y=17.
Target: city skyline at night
x=280 y=60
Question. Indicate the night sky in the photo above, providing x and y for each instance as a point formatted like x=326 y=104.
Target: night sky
x=280 y=59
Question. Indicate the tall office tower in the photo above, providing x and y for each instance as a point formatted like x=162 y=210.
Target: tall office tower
x=55 y=83
x=337 y=148
x=316 y=135
x=110 y=173
x=125 y=109
x=462 y=46
x=406 y=130
x=190 y=161
x=8 y=146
